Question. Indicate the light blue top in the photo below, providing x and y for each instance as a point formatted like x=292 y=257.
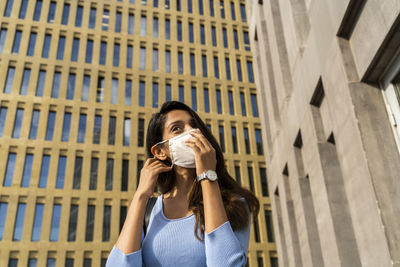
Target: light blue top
x=173 y=243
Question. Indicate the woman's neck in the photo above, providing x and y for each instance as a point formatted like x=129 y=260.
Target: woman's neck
x=184 y=180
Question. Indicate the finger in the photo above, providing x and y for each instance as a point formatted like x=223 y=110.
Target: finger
x=193 y=146
x=201 y=138
x=197 y=143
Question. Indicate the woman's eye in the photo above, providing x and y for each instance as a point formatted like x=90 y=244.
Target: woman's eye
x=176 y=128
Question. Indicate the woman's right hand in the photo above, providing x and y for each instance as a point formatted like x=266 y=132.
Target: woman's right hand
x=148 y=176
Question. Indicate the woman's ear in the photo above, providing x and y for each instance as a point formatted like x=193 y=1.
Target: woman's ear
x=158 y=152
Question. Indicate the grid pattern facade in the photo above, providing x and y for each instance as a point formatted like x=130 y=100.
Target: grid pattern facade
x=79 y=82
x=330 y=122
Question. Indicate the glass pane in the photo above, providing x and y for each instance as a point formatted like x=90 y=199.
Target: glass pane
x=239 y=70
x=3 y=35
x=214 y=35
x=77 y=173
x=25 y=82
x=128 y=92
x=34 y=124
x=19 y=222
x=46 y=46
x=85 y=88
x=118 y=20
x=179 y=30
x=141 y=132
x=90 y=222
x=89 y=51
x=44 y=171
x=180 y=62
x=9 y=80
x=114 y=91
x=50 y=125
x=167 y=60
x=228 y=68
x=219 y=103
x=192 y=65
x=111 y=130
x=216 y=67
x=71 y=86
x=181 y=93
x=17 y=123
x=3 y=115
x=62 y=164
x=142 y=93
x=231 y=103
x=65 y=14
x=26 y=176
x=206 y=100
x=52 y=12
x=155 y=27
x=116 y=55
x=17 y=42
x=167 y=29
x=155 y=95
x=38 y=9
x=92 y=18
x=106 y=223
x=37 y=222
x=142 y=62
x=3 y=216
x=234 y=139
x=250 y=71
x=204 y=63
x=167 y=92
x=109 y=174
x=264 y=182
x=61 y=47
x=194 y=98
x=97 y=129
x=155 y=59
x=243 y=103
x=78 y=18
x=73 y=222
x=143 y=25
x=100 y=89
x=254 y=105
x=40 y=83
x=94 y=166
x=221 y=137
x=9 y=169
x=82 y=128
x=127 y=131
x=246 y=139
x=131 y=19
x=55 y=222
x=56 y=84
x=105 y=20
x=75 y=49
x=129 y=56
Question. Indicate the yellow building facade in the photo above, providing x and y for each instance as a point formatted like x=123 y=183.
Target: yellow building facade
x=79 y=81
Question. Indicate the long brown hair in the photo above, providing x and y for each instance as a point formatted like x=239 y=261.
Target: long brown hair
x=231 y=191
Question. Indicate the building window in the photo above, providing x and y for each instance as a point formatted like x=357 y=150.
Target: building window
x=25 y=81
x=92 y=18
x=61 y=47
x=3 y=215
x=222 y=7
x=66 y=127
x=206 y=100
x=118 y=20
x=87 y=262
x=103 y=52
x=204 y=63
x=9 y=80
x=46 y=45
x=90 y=216
x=116 y=54
x=127 y=131
x=216 y=67
x=180 y=62
x=246 y=139
x=168 y=92
x=131 y=23
x=19 y=115
x=56 y=84
x=181 y=93
x=38 y=10
x=212 y=13
x=256 y=231
x=27 y=171
x=243 y=12
x=231 y=103
x=32 y=262
x=128 y=92
x=142 y=93
x=3 y=116
x=52 y=12
x=268 y=221
x=190 y=6
x=62 y=164
x=12 y=262
x=77 y=173
x=246 y=40
x=129 y=56
x=250 y=71
x=155 y=94
x=40 y=83
x=214 y=35
x=155 y=59
x=106 y=225
x=264 y=182
x=143 y=25
x=85 y=87
x=82 y=128
x=94 y=167
x=142 y=63
x=179 y=30
x=201 y=7
x=192 y=65
x=100 y=90
x=125 y=175
x=114 y=91
x=105 y=19
x=191 y=34
x=51 y=262
x=97 y=129
x=75 y=49
x=78 y=17
x=219 y=102
x=89 y=51
x=194 y=98
x=155 y=27
x=234 y=139
x=239 y=70
x=9 y=169
x=225 y=37
x=243 y=103
x=228 y=68
x=202 y=34
x=167 y=29
x=233 y=14
x=178 y=5
x=141 y=132
x=167 y=4
x=73 y=222
x=34 y=124
x=17 y=41
x=221 y=137
x=251 y=179
x=236 y=38
x=44 y=171
x=31 y=45
x=111 y=130
x=37 y=222
x=19 y=222
x=168 y=61
x=254 y=105
x=71 y=86
x=109 y=174
x=65 y=15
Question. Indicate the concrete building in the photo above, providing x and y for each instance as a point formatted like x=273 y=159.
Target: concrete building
x=79 y=81
x=327 y=73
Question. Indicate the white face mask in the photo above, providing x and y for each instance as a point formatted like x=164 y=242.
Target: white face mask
x=181 y=154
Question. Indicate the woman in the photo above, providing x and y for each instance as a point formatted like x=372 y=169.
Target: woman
x=202 y=217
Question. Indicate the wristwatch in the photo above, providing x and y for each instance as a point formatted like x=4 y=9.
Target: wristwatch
x=210 y=175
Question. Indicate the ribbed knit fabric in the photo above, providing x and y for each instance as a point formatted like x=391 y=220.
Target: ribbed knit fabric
x=172 y=243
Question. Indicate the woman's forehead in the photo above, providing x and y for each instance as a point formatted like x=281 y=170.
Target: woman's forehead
x=177 y=114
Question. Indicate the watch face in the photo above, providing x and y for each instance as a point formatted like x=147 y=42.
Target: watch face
x=212 y=175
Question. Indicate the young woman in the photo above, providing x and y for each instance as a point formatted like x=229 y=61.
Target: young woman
x=202 y=217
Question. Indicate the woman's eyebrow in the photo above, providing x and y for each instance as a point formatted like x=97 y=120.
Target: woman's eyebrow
x=175 y=122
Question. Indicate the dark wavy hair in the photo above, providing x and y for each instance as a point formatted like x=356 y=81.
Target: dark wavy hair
x=231 y=191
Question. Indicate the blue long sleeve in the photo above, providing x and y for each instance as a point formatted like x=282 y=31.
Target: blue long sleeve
x=173 y=243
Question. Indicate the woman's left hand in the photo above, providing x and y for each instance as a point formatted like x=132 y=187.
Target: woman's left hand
x=204 y=151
